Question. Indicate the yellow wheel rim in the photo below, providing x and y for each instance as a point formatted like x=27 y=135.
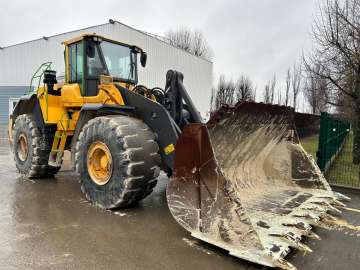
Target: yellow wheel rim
x=23 y=148
x=99 y=163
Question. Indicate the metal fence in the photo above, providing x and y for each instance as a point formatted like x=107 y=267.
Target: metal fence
x=333 y=133
x=335 y=152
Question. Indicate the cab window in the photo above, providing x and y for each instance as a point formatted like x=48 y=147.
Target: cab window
x=119 y=61
x=95 y=65
x=76 y=65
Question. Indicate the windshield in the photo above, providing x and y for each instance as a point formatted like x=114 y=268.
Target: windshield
x=120 y=61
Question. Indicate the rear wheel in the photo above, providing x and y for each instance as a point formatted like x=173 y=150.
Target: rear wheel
x=118 y=161
x=31 y=158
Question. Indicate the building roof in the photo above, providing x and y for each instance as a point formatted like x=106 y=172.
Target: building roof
x=111 y=21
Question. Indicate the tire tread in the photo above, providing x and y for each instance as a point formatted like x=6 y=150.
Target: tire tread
x=138 y=155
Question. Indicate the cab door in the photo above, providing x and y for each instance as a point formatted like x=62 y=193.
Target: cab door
x=76 y=65
x=94 y=67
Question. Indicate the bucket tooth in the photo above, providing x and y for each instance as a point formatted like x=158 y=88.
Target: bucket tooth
x=328 y=217
x=313 y=235
x=333 y=210
x=303 y=229
x=313 y=208
x=334 y=200
x=342 y=197
x=284 y=264
x=293 y=242
x=338 y=203
x=313 y=220
x=303 y=247
x=327 y=205
x=300 y=225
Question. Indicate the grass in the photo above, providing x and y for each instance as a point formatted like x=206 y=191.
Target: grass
x=310 y=144
x=342 y=171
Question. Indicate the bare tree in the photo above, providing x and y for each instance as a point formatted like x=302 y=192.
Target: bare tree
x=212 y=99
x=220 y=93
x=315 y=92
x=200 y=45
x=180 y=38
x=272 y=88
x=230 y=93
x=192 y=41
x=280 y=97
x=287 y=89
x=336 y=32
x=255 y=90
x=269 y=91
x=244 y=89
x=225 y=93
x=346 y=108
x=296 y=84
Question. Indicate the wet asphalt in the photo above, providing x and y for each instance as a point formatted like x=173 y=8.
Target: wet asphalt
x=47 y=224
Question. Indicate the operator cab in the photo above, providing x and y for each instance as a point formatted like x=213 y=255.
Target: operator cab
x=90 y=57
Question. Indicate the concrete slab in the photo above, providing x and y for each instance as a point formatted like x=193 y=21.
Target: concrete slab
x=47 y=224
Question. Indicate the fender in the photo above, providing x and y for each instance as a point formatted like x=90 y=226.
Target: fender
x=28 y=104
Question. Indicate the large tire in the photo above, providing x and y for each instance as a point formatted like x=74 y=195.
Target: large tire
x=32 y=163
x=134 y=160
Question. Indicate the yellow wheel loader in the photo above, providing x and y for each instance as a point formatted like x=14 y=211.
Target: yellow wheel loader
x=242 y=182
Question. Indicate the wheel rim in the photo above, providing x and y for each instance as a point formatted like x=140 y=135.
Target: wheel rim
x=99 y=163
x=22 y=149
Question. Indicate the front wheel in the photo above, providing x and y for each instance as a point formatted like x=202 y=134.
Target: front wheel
x=118 y=161
x=31 y=158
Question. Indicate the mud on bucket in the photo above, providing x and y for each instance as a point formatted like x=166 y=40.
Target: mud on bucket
x=245 y=184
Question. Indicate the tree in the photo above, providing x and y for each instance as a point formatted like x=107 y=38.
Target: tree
x=269 y=91
x=315 y=92
x=212 y=99
x=280 y=97
x=244 y=89
x=192 y=41
x=200 y=45
x=287 y=89
x=229 y=93
x=296 y=84
x=336 y=33
x=224 y=94
x=346 y=109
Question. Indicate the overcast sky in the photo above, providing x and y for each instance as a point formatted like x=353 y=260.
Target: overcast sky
x=253 y=37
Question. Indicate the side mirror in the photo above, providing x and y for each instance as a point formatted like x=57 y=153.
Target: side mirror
x=143 y=59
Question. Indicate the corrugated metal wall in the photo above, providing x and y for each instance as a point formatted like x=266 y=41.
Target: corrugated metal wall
x=18 y=62
x=7 y=92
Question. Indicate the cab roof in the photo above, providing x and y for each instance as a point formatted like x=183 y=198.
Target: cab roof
x=86 y=35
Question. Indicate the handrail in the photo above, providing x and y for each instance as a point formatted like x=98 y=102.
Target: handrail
x=38 y=75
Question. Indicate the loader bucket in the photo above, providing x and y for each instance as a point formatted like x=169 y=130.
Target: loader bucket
x=245 y=184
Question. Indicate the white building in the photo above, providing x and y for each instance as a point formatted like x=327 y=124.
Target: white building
x=19 y=62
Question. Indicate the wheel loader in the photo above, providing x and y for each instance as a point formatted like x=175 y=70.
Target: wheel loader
x=241 y=182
